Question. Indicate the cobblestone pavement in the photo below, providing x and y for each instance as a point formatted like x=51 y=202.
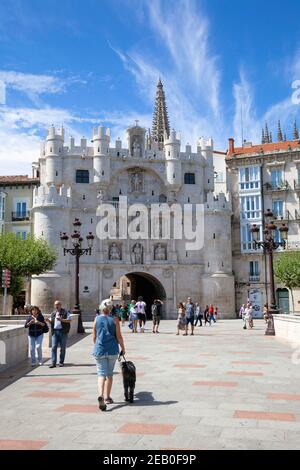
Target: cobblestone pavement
x=224 y=388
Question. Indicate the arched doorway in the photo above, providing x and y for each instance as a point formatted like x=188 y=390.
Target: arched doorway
x=133 y=285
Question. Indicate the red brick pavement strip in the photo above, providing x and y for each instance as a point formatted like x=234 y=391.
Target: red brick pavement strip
x=244 y=373
x=264 y=415
x=283 y=396
x=256 y=363
x=189 y=366
x=144 y=428
x=74 y=408
x=54 y=394
x=10 y=444
x=52 y=379
x=214 y=383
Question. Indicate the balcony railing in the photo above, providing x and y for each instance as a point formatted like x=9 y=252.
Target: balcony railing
x=297 y=185
x=254 y=277
x=19 y=216
x=280 y=186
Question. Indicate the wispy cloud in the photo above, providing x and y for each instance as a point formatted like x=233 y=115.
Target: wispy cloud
x=187 y=67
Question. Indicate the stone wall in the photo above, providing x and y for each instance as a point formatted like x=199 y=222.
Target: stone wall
x=288 y=327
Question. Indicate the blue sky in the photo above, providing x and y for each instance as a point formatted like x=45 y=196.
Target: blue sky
x=79 y=63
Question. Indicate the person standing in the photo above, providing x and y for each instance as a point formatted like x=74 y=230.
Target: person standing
x=216 y=313
x=242 y=311
x=35 y=324
x=107 y=338
x=190 y=316
x=248 y=317
x=211 y=314
x=156 y=314
x=123 y=312
x=181 y=320
x=141 y=310
x=266 y=312
x=199 y=315
x=60 y=321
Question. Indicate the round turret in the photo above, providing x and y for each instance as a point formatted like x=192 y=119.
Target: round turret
x=101 y=140
x=53 y=153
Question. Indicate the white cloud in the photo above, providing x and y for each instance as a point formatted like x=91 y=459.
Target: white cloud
x=32 y=84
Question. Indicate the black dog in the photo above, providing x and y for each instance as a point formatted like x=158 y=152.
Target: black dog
x=129 y=378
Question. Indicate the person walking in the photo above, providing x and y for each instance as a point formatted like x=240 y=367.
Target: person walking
x=216 y=313
x=199 y=314
x=123 y=312
x=141 y=310
x=211 y=314
x=190 y=316
x=133 y=316
x=36 y=326
x=156 y=314
x=60 y=321
x=181 y=320
x=242 y=311
x=206 y=315
x=107 y=338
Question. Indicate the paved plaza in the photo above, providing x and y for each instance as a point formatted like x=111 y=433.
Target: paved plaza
x=224 y=388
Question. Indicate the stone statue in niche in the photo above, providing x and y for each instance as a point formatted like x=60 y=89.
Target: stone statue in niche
x=114 y=252
x=160 y=253
x=136 y=149
x=100 y=196
x=136 y=182
x=137 y=254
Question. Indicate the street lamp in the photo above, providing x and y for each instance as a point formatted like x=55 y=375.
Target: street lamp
x=269 y=245
x=77 y=251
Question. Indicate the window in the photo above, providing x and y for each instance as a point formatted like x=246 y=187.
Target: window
x=247 y=243
x=250 y=207
x=254 y=271
x=82 y=176
x=249 y=177
x=277 y=208
x=189 y=178
x=21 y=209
x=22 y=234
x=276 y=178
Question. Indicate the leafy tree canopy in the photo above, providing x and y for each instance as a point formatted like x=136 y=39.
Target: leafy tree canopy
x=25 y=257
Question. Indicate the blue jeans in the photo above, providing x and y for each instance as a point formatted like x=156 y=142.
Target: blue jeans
x=35 y=343
x=59 y=338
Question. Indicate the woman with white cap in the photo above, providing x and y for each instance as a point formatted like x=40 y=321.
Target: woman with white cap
x=107 y=338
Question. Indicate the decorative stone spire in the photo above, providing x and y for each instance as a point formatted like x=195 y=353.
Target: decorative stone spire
x=267 y=137
x=295 y=131
x=284 y=137
x=160 y=123
x=279 y=133
x=262 y=136
x=270 y=138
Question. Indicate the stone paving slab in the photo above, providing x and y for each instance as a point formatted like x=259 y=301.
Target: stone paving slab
x=224 y=388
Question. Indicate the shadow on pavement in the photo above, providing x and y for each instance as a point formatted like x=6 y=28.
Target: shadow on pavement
x=143 y=399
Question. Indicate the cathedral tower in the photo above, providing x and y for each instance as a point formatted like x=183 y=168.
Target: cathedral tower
x=160 y=123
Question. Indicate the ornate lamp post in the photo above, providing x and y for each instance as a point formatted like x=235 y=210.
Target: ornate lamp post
x=270 y=245
x=77 y=251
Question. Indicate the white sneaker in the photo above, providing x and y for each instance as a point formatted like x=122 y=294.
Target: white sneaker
x=40 y=363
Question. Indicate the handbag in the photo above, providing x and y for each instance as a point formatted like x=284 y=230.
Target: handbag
x=130 y=325
x=45 y=328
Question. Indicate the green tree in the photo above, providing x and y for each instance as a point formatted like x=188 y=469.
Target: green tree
x=287 y=270
x=25 y=258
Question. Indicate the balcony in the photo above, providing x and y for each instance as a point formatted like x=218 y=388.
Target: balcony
x=19 y=216
x=277 y=187
x=282 y=216
x=254 y=277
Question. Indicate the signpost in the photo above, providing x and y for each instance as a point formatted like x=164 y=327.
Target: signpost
x=6 y=276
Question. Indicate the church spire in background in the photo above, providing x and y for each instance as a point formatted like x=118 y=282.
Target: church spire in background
x=295 y=132
x=267 y=137
x=160 y=123
x=279 y=133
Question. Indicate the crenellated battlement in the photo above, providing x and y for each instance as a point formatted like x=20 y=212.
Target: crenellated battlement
x=49 y=196
x=221 y=202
